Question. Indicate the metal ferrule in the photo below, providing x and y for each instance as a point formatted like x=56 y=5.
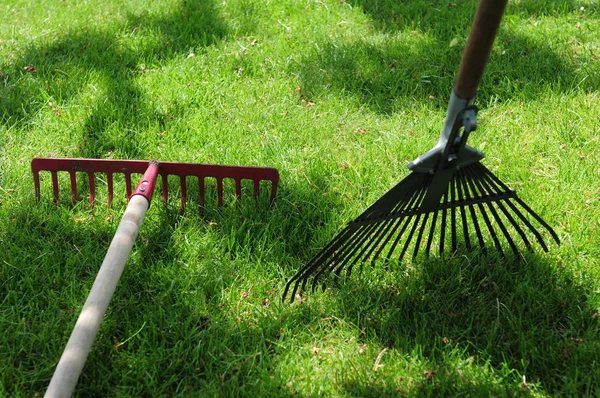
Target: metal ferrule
x=428 y=162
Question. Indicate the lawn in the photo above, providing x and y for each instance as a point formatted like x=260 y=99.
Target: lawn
x=338 y=95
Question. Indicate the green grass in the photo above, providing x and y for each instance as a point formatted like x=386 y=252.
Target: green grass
x=339 y=96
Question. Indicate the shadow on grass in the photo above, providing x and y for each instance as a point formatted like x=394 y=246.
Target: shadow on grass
x=118 y=120
x=395 y=73
x=515 y=319
x=170 y=329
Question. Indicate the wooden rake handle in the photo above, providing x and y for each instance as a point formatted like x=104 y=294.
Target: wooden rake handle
x=479 y=46
x=80 y=342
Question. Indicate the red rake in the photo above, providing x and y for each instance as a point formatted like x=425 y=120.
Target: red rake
x=128 y=167
x=80 y=342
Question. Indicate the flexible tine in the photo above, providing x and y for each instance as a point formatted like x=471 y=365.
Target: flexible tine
x=473 y=213
x=376 y=238
x=407 y=201
x=431 y=233
x=486 y=219
x=409 y=237
x=443 y=224
x=73 y=179
x=490 y=189
x=524 y=205
x=420 y=235
x=499 y=221
x=463 y=212
x=55 y=186
x=316 y=261
x=453 y=215
x=522 y=217
x=346 y=251
x=416 y=199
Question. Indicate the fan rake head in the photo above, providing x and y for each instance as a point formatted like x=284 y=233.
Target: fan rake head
x=402 y=221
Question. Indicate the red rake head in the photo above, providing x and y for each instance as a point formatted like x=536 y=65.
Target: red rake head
x=129 y=167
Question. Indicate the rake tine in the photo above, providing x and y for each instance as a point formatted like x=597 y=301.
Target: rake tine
x=453 y=215
x=109 y=183
x=128 y=184
x=463 y=214
x=416 y=198
x=73 y=179
x=476 y=181
x=431 y=233
x=219 y=192
x=473 y=215
x=524 y=219
x=316 y=262
x=527 y=208
x=183 y=185
x=55 y=186
x=201 y=194
x=443 y=224
x=92 y=186
x=405 y=203
x=36 y=185
x=165 y=187
x=490 y=189
x=486 y=219
x=420 y=235
x=409 y=237
x=238 y=190
x=347 y=251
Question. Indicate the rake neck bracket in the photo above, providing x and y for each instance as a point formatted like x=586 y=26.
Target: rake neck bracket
x=451 y=150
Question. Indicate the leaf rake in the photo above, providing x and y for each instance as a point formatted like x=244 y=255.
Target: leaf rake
x=448 y=193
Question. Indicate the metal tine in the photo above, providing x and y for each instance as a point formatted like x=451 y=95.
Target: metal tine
x=343 y=255
x=183 y=185
x=443 y=224
x=92 y=187
x=372 y=245
x=316 y=261
x=347 y=251
x=376 y=237
x=420 y=235
x=219 y=192
x=522 y=217
x=416 y=198
x=527 y=208
x=476 y=180
x=165 y=187
x=414 y=226
x=73 y=179
x=405 y=203
x=431 y=233
x=55 y=186
x=238 y=190
x=36 y=185
x=493 y=190
x=128 y=184
x=463 y=213
x=201 y=194
x=473 y=213
x=486 y=218
x=109 y=183
x=453 y=215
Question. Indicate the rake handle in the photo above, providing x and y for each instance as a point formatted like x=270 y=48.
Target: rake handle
x=478 y=48
x=80 y=342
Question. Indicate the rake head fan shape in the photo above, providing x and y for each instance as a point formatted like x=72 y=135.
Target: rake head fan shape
x=448 y=194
